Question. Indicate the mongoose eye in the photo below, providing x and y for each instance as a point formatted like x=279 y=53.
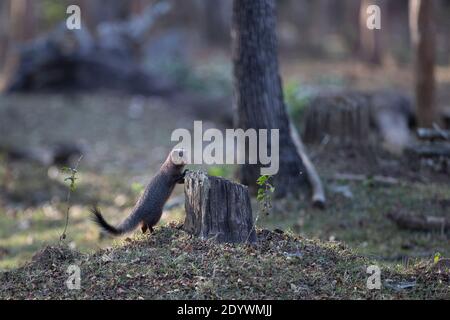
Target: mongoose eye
x=180 y=153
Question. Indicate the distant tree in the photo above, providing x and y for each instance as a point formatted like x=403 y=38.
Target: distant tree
x=318 y=24
x=259 y=102
x=19 y=27
x=423 y=38
x=22 y=20
x=4 y=28
x=348 y=22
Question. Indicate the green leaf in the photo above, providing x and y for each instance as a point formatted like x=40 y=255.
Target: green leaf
x=437 y=257
x=65 y=169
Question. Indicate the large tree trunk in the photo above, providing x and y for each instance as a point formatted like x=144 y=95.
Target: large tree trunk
x=258 y=93
x=424 y=40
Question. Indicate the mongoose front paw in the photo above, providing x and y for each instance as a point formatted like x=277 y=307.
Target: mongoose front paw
x=180 y=178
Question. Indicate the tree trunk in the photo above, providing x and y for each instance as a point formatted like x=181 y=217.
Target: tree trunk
x=370 y=40
x=258 y=93
x=21 y=26
x=347 y=23
x=116 y=10
x=423 y=37
x=22 y=19
x=217 y=208
x=4 y=32
x=318 y=26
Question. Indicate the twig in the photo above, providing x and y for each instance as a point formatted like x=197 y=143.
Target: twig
x=318 y=193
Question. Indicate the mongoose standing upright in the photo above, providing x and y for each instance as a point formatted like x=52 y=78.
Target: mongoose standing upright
x=148 y=209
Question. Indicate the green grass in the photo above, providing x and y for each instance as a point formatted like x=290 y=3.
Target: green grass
x=361 y=221
x=300 y=264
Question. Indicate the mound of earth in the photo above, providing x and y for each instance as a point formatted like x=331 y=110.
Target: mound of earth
x=170 y=264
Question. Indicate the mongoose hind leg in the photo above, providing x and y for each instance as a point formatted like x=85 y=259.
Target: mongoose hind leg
x=144 y=227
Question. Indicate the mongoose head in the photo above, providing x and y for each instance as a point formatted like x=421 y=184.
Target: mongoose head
x=178 y=157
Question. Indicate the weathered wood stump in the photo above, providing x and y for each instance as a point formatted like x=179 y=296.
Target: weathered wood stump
x=359 y=119
x=343 y=117
x=217 y=208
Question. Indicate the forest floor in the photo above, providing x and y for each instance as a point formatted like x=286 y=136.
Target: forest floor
x=125 y=139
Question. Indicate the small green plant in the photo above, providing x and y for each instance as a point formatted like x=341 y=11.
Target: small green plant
x=72 y=178
x=264 y=198
x=437 y=257
x=265 y=191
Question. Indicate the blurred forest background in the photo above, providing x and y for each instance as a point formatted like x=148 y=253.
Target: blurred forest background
x=138 y=69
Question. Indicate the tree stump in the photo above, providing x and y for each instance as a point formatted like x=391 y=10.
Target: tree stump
x=358 y=119
x=217 y=208
x=344 y=117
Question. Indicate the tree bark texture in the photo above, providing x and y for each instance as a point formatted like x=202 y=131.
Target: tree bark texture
x=423 y=37
x=258 y=91
x=217 y=208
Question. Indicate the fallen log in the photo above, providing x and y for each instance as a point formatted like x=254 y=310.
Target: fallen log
x=217 y=209
x=78 y=60
x=419 y=222
x=433 y=134
x=430 y=150
x=318 y=193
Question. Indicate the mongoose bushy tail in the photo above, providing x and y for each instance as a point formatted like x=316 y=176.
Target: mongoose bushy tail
x=149 y=207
